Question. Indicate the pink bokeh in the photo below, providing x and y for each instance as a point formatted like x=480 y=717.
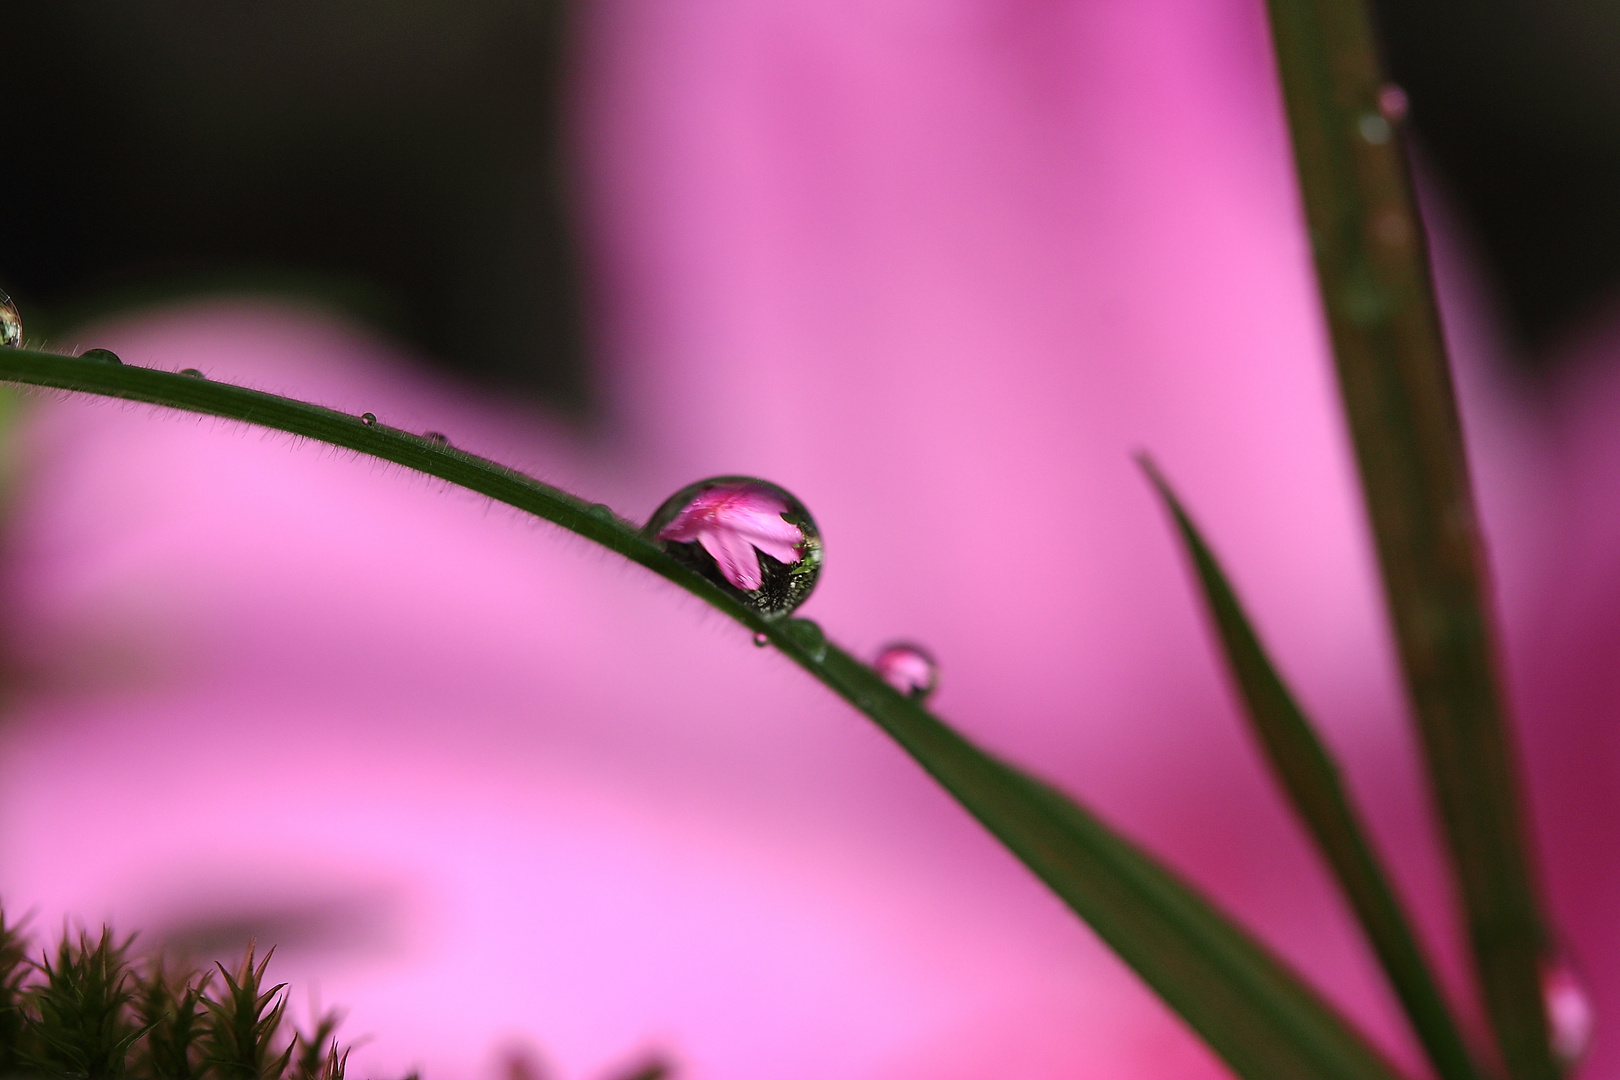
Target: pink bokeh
x=937 y=268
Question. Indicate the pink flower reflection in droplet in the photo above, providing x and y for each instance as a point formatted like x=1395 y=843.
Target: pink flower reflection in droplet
x=731 y=521
x=908 y=669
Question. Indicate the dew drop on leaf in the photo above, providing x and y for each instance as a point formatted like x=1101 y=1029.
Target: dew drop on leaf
x=908 y=669
x=100 y=356
x=807 y=635
x=192 y=373
x=437 y=438
x=602 y=512
x=10 y=323
x=1569 y=1011
x=368 y=419
x=749 y=537
x=761 y=640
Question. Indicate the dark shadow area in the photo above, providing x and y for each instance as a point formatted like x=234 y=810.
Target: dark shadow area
x=396 y=157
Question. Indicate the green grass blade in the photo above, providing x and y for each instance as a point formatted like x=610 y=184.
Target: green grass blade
x=1248 y=1006
x=1372 y=266
x=1310 y=776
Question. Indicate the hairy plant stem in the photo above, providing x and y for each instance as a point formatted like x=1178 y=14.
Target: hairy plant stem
x=1251 y=1009
x=1373 y=268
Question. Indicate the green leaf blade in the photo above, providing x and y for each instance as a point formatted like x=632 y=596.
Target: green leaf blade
x=1395 y=380
x=1311 y=778
x=1254 y=1012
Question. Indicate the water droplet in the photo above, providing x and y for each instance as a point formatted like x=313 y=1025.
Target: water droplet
x=368 y=419
x=1374 y=128
x=1392 y=103
x=762 y=640
x=192 y=373
x=908 y=669
x=1569 y=1011
x=100 y=356
x=10 y=323
x=751 y=538
x=437 y=438
x=602 y=512
x=808 y=636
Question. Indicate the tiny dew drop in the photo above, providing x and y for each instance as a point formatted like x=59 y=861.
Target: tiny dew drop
x=1393 y=103
x=10 y=323
x=761 y=640
x=908 y=669
x=808 y=636
x=368 y=419
x=437 y=438
x=192 y=373
x=1570 y=1017
x=749 y=537
x=100 y=356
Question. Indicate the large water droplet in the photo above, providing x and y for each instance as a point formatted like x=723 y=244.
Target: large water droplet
x=192 y=373
x=100 y=356
x=751 y=538
x=10 y=323
x=602 y=512
x=437 y=438
x=908 y=669
x=1569 y=1011
x=368 y=419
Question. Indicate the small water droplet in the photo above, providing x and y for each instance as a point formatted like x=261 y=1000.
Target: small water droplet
x=751 y=538
x=100 y=356
x=1569 y=1011
x=808 y=636
x=437 y=438
x=908 y=669
x=192 y=373
x=1374 y=128
x=368 y=419
x=10 y=323
x=762 y=640
x=1392 y=102
x=602 y=512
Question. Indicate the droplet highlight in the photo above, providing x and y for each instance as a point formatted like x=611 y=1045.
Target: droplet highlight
x=10 y=323
x=1570 y=1017
x=100 y=356
x=909 y=669
x=749 y=537
x=808 y=635
x=437 y=438
x=192 y=373
x=1374 y=128
x=761 y=640
x=368 y=419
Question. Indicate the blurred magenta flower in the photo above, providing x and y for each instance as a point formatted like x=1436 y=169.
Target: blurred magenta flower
x=731 y=521
x=971 y=255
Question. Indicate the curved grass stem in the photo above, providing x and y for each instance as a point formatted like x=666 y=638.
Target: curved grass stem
x=1244 y=1002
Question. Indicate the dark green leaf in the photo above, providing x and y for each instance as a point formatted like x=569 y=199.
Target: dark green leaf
x=1310 y=777
x=1372 y=266
x=1246 y=1004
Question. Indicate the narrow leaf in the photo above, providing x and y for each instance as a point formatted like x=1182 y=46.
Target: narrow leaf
x=1309 y=775
x=1254 y=1012
x=1373 y=269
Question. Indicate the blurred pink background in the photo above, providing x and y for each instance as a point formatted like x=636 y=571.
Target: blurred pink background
x=937 y=268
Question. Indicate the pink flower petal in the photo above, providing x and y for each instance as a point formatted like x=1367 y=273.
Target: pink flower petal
x=736 y=557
